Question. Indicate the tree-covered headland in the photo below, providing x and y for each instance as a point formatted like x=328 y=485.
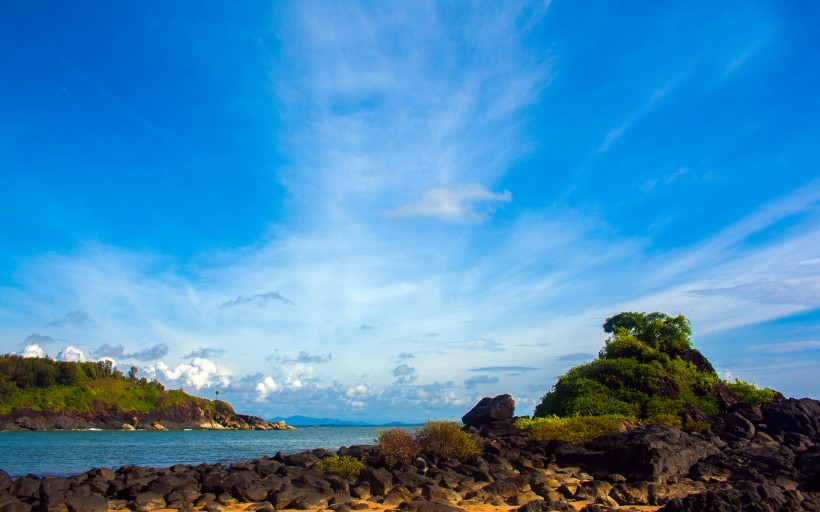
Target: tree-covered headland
x=647 y=370
x=42 y=384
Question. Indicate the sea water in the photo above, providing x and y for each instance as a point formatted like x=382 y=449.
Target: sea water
x=64 y=453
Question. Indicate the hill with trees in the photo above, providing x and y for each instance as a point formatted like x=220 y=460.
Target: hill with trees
x=647 y=370
x=40 y=394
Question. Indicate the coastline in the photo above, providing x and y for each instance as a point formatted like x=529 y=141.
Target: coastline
x=743 y=464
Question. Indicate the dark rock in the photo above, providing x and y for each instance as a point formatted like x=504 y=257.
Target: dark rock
x=52 y=493
x=501 y=488
x=313 y=483
x=204 y=499
x=487 y=410
x=630 y=493
x=546 y=506
x=27 y=487
x=380 y=480
x=285 y=496
x=410 y=478
x=396 y=496
x=764 y=498
x=752 y=463
x=86 y=503
x=16 y=506
x=249 y=491
x=428 y=506
x=226 y=499
x=149 y=501
x=301 y=460
x=262 y=506
x=641 y=454
x=361 y=491
x=738 y=426
x=310 y=501
x=726 y=397
x=5 y=481
x=594 y=488
x=106 y=473
x=801 y=416
x=183 y=496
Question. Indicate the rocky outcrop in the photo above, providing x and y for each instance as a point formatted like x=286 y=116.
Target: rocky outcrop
x=176 y=417
x=488 y=410
x=648 y=454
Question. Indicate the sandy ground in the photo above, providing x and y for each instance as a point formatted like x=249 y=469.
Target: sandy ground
x=374 y=507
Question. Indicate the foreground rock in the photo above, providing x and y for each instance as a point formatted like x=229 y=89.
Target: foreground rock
x=758 y=460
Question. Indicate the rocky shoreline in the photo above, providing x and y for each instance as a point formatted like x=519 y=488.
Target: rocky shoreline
x=753 y=459
x=167 y=418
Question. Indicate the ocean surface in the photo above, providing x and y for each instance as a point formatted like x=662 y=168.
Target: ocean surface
x=63 y=453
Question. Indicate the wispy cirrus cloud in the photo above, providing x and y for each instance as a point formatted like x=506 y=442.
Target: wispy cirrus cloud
x=118 y=352
x=614 y=134
x=471 y=203
x=474 y=382
x=76 y=317
x=260 y=299
x=786 y=347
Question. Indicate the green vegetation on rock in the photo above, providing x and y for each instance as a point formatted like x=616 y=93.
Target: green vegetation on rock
x=750 y=393
x=342 y=465
x=647 y=370
x=572 y=429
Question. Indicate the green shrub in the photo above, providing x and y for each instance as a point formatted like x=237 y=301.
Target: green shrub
x=446 y=439
x=696 y=426
x=669 y=420
x=571 y=429
x=344 y=466
x=750 y=393
x=397 y=445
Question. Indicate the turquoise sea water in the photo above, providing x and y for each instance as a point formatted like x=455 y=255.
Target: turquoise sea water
x=63 y=453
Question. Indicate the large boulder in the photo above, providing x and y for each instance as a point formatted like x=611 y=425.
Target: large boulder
x=792 y=415
x=488 y=410
x=650 y=453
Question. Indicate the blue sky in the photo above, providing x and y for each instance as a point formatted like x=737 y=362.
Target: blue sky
x=386 y=210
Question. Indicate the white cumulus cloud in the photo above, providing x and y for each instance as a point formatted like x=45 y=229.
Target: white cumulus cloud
x=357 y=391
x=33 y=351
x=198 y=374
x=71 y=353
x=266 y=387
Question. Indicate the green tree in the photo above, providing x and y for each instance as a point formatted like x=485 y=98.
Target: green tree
x=646 y=367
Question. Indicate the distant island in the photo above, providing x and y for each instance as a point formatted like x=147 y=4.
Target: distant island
x=43 y=394
x=309 y=421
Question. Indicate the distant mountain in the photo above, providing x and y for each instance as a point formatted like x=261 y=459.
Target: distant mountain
x=309 y=421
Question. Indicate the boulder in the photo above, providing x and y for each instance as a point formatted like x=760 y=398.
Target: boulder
x=546 y=506
x=649 y=453
x=428 y=506
x=380 y=480
x=764 y=498
x=792 y=415
x=5 y=481
x=86 y=503
x=488 y=410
